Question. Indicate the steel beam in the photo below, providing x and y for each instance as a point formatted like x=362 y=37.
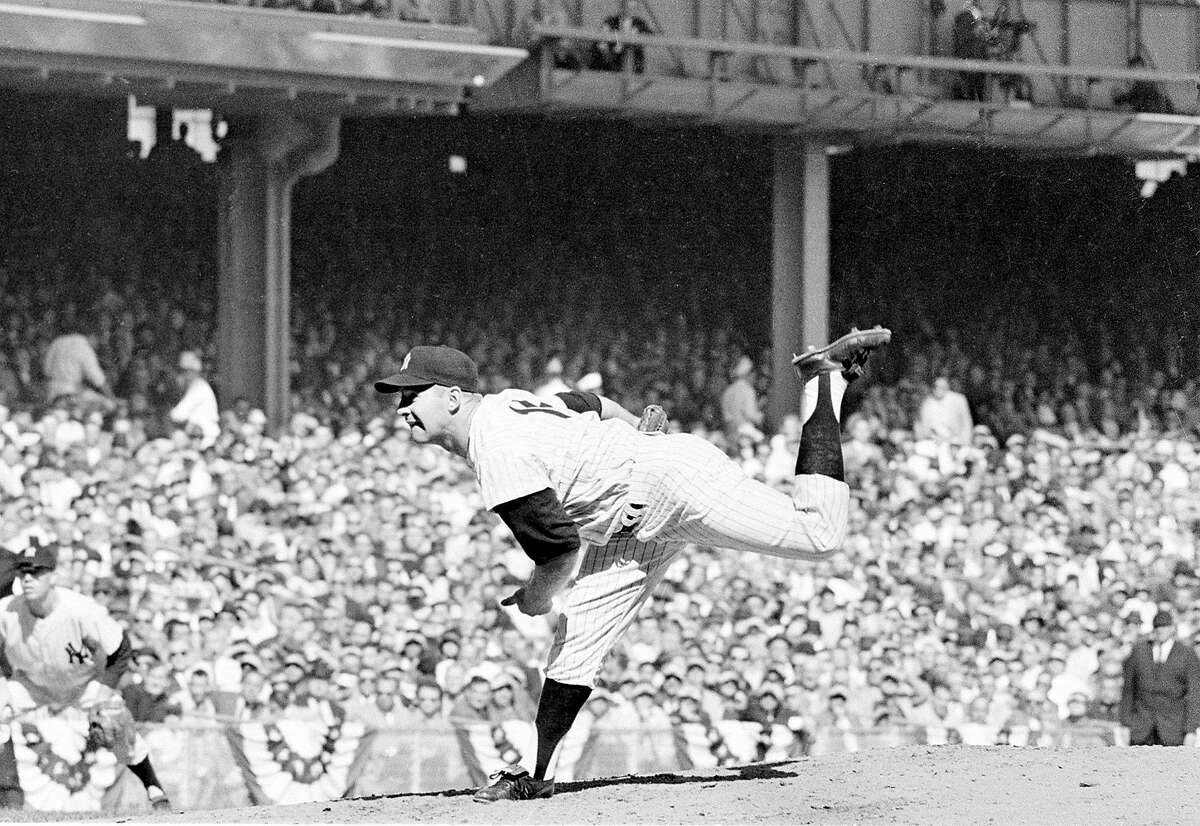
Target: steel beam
x=1092 y=73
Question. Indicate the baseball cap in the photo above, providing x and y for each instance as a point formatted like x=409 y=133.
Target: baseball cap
x=432 y=365
x=1162 y=619
x=39 y=558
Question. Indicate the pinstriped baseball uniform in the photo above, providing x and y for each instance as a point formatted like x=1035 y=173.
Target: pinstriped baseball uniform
x=56 y=659
x=56 y=656
x=636 y=499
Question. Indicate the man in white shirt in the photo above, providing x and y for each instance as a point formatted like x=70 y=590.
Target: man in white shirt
x=945 y=415
x=72 y=370
x=198 y=408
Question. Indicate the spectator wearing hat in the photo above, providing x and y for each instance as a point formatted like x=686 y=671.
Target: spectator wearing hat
x=1160 y=700
x=510 y=701
x=197 y=410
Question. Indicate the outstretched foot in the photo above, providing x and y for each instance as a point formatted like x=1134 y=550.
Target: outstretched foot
x=159 y=801
x=848 y=354
x=514 y=783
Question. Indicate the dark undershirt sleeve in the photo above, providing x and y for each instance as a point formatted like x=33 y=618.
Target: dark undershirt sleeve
x=117 y=662
x=580 y=401
x=541 y=526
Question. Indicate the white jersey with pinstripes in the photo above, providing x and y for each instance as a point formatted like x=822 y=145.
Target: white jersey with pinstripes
x=612 y=478
x=55 y=657
x=637 y=500
x=520 y=444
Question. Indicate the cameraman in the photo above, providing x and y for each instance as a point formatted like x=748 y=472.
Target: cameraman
x=971 y=37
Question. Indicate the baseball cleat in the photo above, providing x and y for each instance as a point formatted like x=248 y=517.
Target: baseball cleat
x=848 y=354
x=159 y=801
x=514 y=783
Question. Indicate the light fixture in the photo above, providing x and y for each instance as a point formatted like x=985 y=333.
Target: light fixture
x=80 y=15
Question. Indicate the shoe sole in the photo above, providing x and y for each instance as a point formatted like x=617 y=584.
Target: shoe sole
x=479 y=799
x=832 y=356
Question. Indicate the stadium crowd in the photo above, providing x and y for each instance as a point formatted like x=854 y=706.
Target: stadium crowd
x=991 y=585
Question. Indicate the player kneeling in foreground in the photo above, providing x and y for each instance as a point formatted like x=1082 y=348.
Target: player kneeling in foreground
x=572 y=475
x=62 y=649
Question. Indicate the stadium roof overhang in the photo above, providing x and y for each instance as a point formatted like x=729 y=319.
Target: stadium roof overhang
x=847 y=113
x=194 y=55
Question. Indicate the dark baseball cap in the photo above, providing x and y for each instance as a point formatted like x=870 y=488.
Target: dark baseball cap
x=39 y=558
x=426 y=365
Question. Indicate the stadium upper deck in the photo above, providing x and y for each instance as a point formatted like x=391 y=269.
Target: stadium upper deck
x=850 y=71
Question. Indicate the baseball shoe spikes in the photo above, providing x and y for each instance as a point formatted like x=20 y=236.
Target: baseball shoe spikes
x=159 y=802
x=514 y=783
x=848 y=354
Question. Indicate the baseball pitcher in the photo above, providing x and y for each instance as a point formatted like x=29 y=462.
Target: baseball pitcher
x=603 y=507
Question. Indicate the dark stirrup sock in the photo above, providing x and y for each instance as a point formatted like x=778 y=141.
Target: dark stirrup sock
x=11 y=796
x=558 y=707
x=144 y=772
x=821 y=439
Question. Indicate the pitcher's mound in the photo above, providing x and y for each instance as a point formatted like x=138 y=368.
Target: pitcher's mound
x=917 y=784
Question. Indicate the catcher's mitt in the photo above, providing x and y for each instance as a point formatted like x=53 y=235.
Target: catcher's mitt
x=654 y=419
x=110 y=726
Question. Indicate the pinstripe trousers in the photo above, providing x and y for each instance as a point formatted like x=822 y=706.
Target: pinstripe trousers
x=685 y=490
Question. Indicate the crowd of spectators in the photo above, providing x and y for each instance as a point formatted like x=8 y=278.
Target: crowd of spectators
x=990 y=587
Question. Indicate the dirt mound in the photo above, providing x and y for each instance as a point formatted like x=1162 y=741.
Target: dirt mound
x=925 y=785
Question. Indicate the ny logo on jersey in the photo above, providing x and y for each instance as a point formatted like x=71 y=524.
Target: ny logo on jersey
x=521 y=406
x=77 y=655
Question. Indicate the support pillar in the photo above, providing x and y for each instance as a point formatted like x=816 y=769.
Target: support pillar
x=799 y=264
x=261 y=160
x=1133 y=29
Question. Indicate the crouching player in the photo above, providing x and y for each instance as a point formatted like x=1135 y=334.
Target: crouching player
x=61 y=649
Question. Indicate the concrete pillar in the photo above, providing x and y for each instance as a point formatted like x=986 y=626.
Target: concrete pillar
x=799 y=264
x=261 y=159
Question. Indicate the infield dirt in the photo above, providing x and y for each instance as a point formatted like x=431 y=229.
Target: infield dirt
x=917 y=785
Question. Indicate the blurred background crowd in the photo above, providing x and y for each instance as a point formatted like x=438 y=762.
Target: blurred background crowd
x=1021 y=462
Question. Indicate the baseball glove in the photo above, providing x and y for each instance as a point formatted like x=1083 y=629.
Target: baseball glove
x=110 y=726
x=654 y=419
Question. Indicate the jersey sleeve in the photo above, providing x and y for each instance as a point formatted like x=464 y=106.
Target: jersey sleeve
x=508 y=474
x=99 y=625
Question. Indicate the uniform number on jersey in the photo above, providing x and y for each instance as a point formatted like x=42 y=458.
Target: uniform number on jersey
x=521 y=406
